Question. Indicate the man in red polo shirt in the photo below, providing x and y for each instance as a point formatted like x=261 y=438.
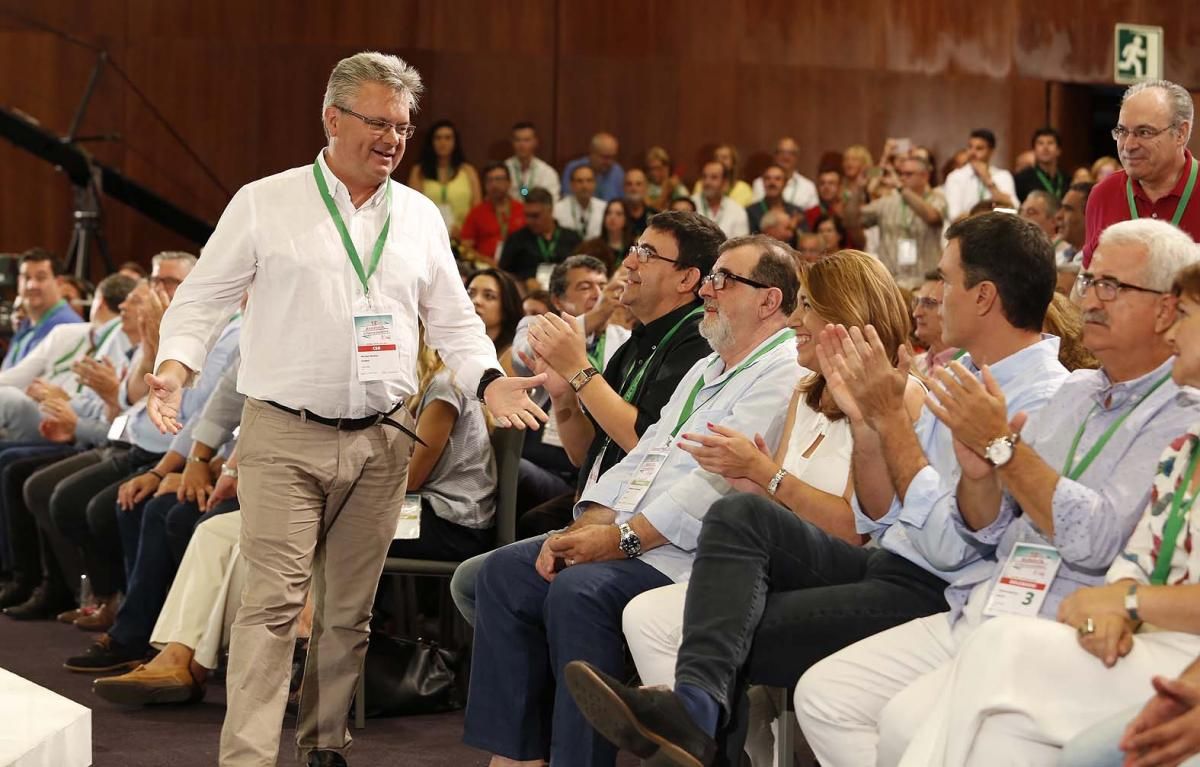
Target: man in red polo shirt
x=1159 y=173
x=489 y=223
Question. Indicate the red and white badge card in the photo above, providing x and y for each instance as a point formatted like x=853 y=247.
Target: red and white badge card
x=375 y=347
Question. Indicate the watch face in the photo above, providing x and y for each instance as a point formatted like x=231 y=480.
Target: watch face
x=999 y=451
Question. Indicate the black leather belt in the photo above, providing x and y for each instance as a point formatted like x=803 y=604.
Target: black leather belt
x=350 y=424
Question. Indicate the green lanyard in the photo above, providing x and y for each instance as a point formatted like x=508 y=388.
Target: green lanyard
x=523 y=180
x=503 y=221
x=1056 y=187
x=597 y=357
x=548 y=248
x=347 y=243
x=1179 y=514
x=24 y=342
x=1183 y=200
x=1070 y=470
x=690 y=405
x=55 y=369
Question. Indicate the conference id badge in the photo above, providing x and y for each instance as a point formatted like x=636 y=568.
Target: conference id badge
x=543 y=275
x=408 y=526
x=550 y=433
x=375 y=347
x=906 y=252
x=594 y=474
x=117 y=429
x=1025 y=581
x=643 y=477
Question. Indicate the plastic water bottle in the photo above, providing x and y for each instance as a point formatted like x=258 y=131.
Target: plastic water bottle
x=87 y=600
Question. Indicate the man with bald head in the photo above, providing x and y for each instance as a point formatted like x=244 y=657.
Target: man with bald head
x=1158 y=172
x=797 y=190
x=602 y=157
x=1041 y=207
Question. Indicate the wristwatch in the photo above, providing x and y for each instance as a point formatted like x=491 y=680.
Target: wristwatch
x=487 y=377
x=580 y=379
x=229 y=471
x=197 y=459
x=773 y=485
x=1000 y=450
x=631 y=544
x=1131 y=603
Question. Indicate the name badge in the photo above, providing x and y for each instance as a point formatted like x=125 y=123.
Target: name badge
x=594 y=474
x=1025 y=581
x=375 y=347
x=117 y=430
x=906 y=252
x=643 y=477
x=543 y=275
x=408 y=526
x=550 y=433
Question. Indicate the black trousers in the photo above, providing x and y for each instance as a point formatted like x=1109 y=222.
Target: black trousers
x=547 y=517
x=39 y=553
x=771 y=594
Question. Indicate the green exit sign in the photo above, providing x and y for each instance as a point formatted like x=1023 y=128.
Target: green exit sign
x=1137 y=53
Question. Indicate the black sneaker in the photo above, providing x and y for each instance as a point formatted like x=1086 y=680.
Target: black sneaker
x=106 y=654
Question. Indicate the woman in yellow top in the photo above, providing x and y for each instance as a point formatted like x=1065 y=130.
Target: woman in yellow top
x=443 y=175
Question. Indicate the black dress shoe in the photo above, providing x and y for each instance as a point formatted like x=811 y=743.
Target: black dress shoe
x=106 y=654
x=14 y=593
x=650 y=723
x=42 y=605
x=325 y=759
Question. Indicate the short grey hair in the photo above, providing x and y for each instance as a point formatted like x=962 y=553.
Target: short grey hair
x=173 y=255
x=350 y=73
x=1050 y=201
x=776 y=265
x=1167 y=249
x=1182 y=107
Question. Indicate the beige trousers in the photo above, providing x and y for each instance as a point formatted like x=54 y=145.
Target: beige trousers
x=318 y=505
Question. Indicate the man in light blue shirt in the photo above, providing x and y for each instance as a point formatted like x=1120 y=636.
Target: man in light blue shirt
x=602 y=157
x=546 y=601
x=1073 y=485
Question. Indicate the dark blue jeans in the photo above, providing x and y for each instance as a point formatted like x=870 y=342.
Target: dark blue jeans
x=526 y=631
x=160 y=542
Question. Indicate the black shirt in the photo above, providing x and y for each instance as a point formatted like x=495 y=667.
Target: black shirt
x=1028 y=180
x=639 y=223
x=667 y=368
x=522 y=253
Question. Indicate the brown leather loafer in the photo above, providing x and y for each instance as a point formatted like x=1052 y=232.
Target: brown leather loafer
x=145 y=685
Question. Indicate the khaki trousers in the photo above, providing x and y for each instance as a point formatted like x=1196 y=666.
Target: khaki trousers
x=319 y=506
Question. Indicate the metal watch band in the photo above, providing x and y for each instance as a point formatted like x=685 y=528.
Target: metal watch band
x=773 y=485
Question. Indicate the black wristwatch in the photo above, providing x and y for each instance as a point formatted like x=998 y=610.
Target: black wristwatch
x=487 y=377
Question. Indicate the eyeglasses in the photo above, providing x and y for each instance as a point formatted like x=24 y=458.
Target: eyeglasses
x=925 y=302
x=1107 y=288
x=717 y=278
x=644 y=253
x=380 y=127
x=1141 y=133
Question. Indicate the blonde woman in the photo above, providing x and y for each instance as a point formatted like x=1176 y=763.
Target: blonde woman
x=664 y=185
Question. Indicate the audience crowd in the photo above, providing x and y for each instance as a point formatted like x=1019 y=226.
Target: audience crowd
x=914 y=443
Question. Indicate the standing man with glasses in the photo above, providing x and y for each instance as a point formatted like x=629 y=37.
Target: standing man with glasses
x=1159 y=173
x=344 y=263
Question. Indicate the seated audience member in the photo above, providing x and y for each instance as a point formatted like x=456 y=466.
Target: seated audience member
x=833 y=234
x=717 y=206
x=771 y=594
x=526 y=170
x=615 y=239
x=684 y=205
x=75 y=292
x=927 y=326
x=856 y=165
x=978 y=179
x=1152 y=133
x=773 y=178
x=537 y=302
x=831 y=195
x=530 y=253
x=173 y=502
x=1070 y=222
x=498 y=303
x=49 y=370
x=1068 y=275
x=636 y=209
x=605 y=418
x=1041 y=208
x=778 y=226
x=602 y=159
x=1043 y=173
x=810 y=472
x=663 y=186
x=1065 y=320
x=737 y=189
x=797 y=190
x=909 y=220
x=1070 y=491
x=42 y=305
x=1023 y=161
x=133 y=270
x=488 y=224
x=581 y=211
x=443 y=174
x=534 y=615
x=810 y=247
x=1103 y=168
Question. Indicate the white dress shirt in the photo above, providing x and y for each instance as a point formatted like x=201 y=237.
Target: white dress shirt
x=587 y=223
x=298 y=340
x=964 y=189
x=799 y=191
x=729 y=216
x=540 y=174
x=62 y=347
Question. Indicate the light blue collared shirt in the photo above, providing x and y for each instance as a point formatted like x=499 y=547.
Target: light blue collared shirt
x=753 y=401
x=1096 y=514
x=921 y=529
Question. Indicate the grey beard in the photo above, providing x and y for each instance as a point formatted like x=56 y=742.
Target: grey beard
x=717 y=331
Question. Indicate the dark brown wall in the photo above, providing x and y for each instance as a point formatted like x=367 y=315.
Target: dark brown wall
x=241 y=80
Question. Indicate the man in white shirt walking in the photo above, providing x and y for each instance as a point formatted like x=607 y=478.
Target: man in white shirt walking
x=329 y=348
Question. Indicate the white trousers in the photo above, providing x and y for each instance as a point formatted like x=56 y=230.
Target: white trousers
x=206 y=593
x=1020 y=688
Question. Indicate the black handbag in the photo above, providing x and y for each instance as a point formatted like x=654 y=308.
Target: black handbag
x=406 y=676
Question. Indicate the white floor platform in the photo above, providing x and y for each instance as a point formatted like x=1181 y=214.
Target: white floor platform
x=39 y=728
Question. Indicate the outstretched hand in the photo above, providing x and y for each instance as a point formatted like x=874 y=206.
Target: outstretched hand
x=508 y=400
